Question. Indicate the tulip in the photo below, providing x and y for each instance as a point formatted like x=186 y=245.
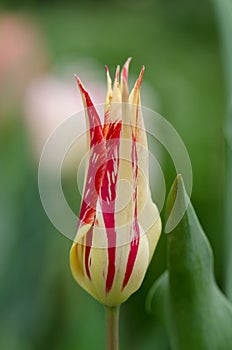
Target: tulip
x=119 y=225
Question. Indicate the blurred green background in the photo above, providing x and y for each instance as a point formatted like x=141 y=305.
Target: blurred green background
x=41 y=307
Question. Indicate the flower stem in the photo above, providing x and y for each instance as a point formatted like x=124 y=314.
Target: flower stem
x=112 y=328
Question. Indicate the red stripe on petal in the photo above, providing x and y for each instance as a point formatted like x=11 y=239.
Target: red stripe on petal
x=140 y=78
x=116 y=78
x=125 y=70
x=96 y=169
x=109 y=181
x=84 y=92
x=89 y=238
x=108 y=196
x=134 y=246
x=111 y=267
x=135 y=231
x=97 y=161
x=95 y=126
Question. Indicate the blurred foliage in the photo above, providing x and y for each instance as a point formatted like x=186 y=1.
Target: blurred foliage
x=40 y=304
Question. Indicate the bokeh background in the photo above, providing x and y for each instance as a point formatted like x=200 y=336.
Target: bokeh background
x=41 y=45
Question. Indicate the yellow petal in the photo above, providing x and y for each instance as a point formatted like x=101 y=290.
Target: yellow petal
x=77 y=254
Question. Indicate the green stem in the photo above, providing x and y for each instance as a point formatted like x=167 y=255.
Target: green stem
x=112 y=328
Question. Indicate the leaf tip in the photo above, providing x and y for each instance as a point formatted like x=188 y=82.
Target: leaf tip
x=177 y=204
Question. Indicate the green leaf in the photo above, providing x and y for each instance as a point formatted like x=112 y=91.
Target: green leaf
x=195 y=313
x=223 y=11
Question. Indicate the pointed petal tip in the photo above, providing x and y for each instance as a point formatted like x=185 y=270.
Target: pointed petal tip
x=125 y=70
x=142 y=70
x=78 y=80
x=140 y=78
x=108 y=73
x=109 y=89
x=84 y=93
x=127 y=63
x=76 y=77
x=116 y=79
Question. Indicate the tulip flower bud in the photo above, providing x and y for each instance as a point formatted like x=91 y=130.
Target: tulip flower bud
x=119 y=225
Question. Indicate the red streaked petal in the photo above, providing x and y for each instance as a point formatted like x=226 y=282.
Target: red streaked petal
x=97 y=160
x=111 y=267
x=113 y=110
x=88 y=245
x=107 y=101
x=135 y=106
x=125 y=70
x=125 y=94
x=94 y=121
x=135 y=231
x=109 y=181
x=117 y=72
x=93 y=183
x=140 y=78
x=108 y=196
x=134 y=246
